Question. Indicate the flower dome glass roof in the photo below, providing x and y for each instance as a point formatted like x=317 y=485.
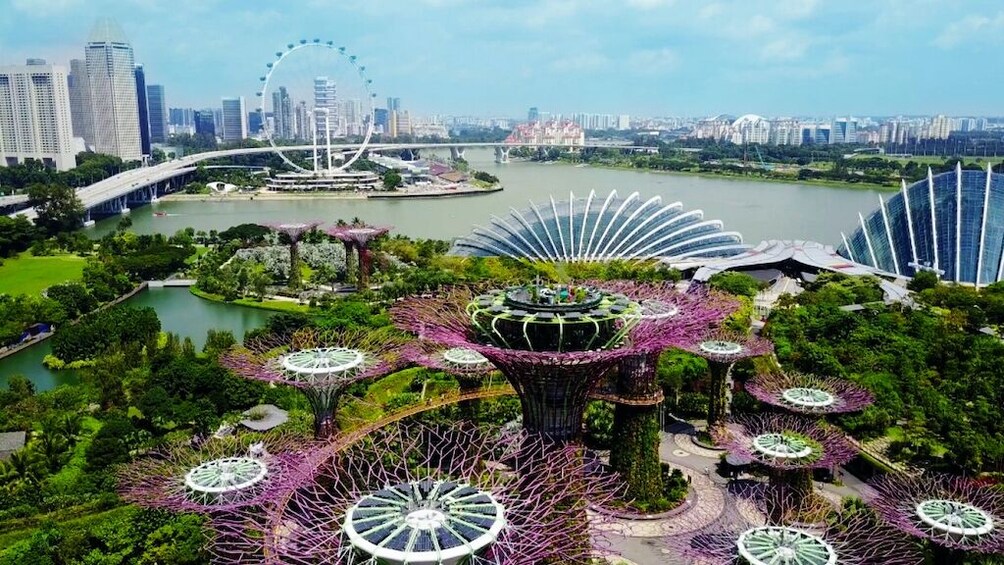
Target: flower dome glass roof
x=597 y=228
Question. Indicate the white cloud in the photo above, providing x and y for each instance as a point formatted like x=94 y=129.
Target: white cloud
x=710 y=11
x=969 y=29
x=44 y=7
x=784 y=49
x=654 y=60
x=649 y=4
x=580 y=62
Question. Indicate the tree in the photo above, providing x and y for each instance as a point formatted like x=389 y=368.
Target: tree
x=736 y=283
x=392 y=179
x=16 y=235
x=923 y=280
x=58 y=208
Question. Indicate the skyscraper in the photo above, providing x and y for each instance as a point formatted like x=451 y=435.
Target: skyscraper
x=35 y=118
x=157 y=111
x=381 y=120
x=303 y=122
x=204 y=122
x=254 y=121
x=144 y=115
x=80 y=102
x=844 y=130
x=235 y=126
x=325 y=108
x=393 y=104
x=533 y=115
x=112 y=81
x=282 y=113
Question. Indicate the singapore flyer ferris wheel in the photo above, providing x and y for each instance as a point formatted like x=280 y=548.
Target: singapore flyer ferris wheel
x=315 y=93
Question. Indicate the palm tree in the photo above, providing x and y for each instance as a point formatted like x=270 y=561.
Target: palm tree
x=23 y=467
x=69 y=427
x=52 y=450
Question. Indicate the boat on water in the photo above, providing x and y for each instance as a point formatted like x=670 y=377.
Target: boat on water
x=159 y=214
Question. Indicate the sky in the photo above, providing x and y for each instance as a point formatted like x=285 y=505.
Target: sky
x=498 y=58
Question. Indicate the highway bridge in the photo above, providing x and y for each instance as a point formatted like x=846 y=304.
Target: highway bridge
x=118 y=193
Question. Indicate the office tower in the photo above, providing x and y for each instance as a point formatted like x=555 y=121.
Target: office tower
x=181 y=117
x=35 y=120
x=533 y=115
x=234 y=119
x=303 y=125
x=393 y=104
x=325 y=108
x=351 y=117
x=381 y=120
x=157 y=112
x=844 y=130
x=80 y=102
x=401 y=123
x=205 y=124
x=112 y=81
x=282 y=114
x=144 y=116
x=254 y=122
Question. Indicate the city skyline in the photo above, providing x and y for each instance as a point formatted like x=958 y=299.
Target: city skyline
x=798 y=57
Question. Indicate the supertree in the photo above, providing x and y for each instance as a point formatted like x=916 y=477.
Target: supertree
x=810 y=395
x=789 y=447
x=722 y=349
x=553 y=343
x=634 y=388
x=955 y=515
x=220 y=475
x=359 y=237
x=428 y=494
x=751 y=534
x=294 y=232
x=467 y=365
x=322 y=364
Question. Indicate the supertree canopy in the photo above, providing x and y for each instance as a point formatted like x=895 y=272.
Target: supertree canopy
x=553 y=343
x=320 y=363
x=294 y=231
x=790 y=447
x=434 y=495
x=848 y=537
x=358 y=236
x=722 y=349
x=957 y=515
x=809 y=394
x=219 y=475
x=467 y=365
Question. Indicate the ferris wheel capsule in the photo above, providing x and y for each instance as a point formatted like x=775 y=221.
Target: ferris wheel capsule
x=290 y=45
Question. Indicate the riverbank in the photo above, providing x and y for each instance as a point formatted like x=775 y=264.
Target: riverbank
x=271 y=305
x=743 y=178
x=343 y=195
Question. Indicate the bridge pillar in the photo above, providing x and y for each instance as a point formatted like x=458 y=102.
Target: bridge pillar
x=502 y=154
x=124 y=204
x=88 y=222
x=457 y=153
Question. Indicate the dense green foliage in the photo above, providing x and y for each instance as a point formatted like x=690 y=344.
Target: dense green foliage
x=58 y=208
x=938 y=382
x=735 y=282
x=99 y=331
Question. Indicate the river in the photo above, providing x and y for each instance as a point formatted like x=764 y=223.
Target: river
x=179 y=311
x=758 y=210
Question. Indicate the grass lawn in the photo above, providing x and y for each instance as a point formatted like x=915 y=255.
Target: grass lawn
x=28 y=274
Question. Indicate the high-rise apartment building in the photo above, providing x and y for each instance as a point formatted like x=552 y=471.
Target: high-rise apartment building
x=111 y=76
x=282 y=114
x=144 y=115
x=157 y=111
x=303 y=121
x=941 y=127
x=35 y=120
x=844 y=130
x=80 y=102
x=325 y=108
x=234 y=122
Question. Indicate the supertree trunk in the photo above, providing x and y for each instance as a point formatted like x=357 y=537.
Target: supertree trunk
x=349 y=263
x=295 y=280
x=635 y=449
x=470 y=410
x=719 y=395
x=323 y=403
x=365 y=259
x=552 y=396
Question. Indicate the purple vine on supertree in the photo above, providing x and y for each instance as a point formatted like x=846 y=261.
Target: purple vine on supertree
x=358 y=237
x=747 y=534
x=322 y=364
x=722 y=349
x=219 y=475
x=578 y=334
x=809 y=394
x=295 y=232
x=785 y=442
x=428 y=494
x=956 y=514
